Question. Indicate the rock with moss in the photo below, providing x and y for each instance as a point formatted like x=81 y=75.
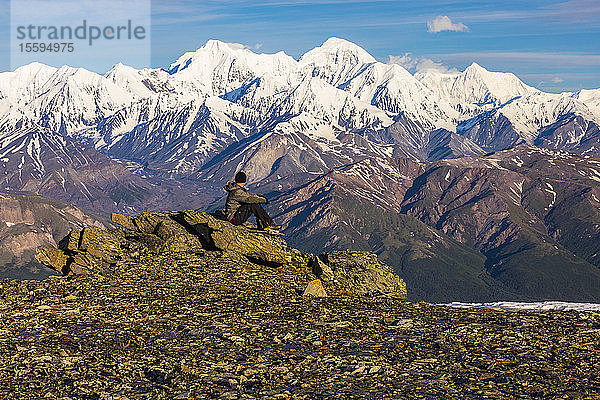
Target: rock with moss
x=315 y=289
x=363 y=273
x=188 y=234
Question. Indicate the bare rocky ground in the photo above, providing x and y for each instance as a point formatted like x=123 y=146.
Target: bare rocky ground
x=195 y=324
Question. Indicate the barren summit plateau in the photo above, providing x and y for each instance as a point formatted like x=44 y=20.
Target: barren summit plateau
x=182 y=305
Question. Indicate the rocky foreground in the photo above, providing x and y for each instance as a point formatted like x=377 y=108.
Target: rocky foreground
x=184 y=306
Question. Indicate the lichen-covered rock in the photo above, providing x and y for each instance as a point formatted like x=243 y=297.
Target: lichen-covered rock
x=321 y=270
x=54 y=258
x=85 y=264
x=176 y=238
x=363 y=273
x=147 y=222
x=183 y=235
x=315 y=288
x=70 y=242
x=106 y=245
x=223 y=235
x=123 y=220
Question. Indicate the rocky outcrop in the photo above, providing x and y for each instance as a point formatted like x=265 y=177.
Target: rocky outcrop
x=361 y=272
x=187 y=325
x=28 y=222
x=193 y=234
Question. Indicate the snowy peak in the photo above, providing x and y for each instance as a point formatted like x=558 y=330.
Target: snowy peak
x=335 y=61
x=218 y=68
x=31 y=70
x=21 y=84
x=475 y=68
x=341 y=47
x=501 y=84
x=121 y=69
x=215 y=53
x=591 y=98
x=213 y=49
x=140 y=83
x=476 y=85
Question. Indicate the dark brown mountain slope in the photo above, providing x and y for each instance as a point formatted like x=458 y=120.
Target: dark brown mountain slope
x=526 y=221
x=36 y=160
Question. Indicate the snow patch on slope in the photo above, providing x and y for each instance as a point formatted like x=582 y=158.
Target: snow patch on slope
x=535 y=306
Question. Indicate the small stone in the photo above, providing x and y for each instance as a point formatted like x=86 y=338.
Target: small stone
x=280 y=370
x=375 y=369
x=315 y=288
x=229 y=396
x=359 y=370
x=405 y=323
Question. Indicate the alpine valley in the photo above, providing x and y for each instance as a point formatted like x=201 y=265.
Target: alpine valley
x=472 y=185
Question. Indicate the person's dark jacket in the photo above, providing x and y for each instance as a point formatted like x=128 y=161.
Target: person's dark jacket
x=236 y=196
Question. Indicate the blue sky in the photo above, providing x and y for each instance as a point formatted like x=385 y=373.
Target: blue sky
x=552 y=45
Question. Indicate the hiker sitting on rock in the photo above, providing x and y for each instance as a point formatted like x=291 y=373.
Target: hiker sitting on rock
x=241 y=204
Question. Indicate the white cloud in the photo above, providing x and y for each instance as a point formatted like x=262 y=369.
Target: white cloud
x=427 y=65
x=420 y=64
x=240 y=46
x=406 y=61
x=556 y=79
x=443 y=23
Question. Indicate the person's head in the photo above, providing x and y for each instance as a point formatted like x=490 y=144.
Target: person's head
x=240 y=178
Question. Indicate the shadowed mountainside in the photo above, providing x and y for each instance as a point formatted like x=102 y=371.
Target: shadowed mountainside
x=523 y=223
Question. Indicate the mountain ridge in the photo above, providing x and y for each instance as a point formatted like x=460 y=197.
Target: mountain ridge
x=470 y=227
x=274 y=91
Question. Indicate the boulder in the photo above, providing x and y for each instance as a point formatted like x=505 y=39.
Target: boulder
x=362 y=273
x=53 y=258
x=99 y=251
x=315 y=288
x=176 y=238
x=320 y=269
x=70 y=243
x=260 y=246
x=123 y=220
x=109 y=246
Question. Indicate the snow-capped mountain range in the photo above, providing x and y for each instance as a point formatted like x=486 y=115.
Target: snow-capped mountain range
x=445 y=175
x=223 y=107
